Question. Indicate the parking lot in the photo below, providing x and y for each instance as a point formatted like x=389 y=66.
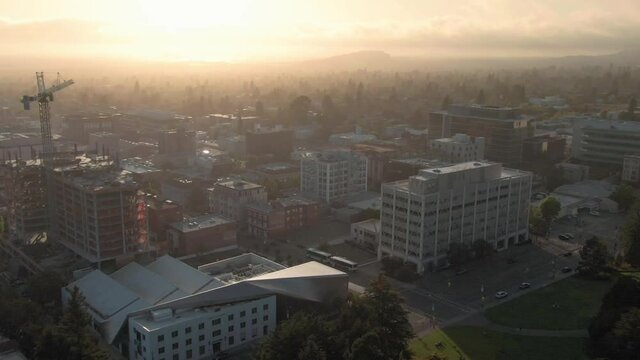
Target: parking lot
x=446 y=296
x=605 y=226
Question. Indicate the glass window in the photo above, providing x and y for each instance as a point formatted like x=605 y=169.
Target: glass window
x=230 y=317
x=161 y=350
x=189 y=354
x=231 y=340
x=254 y=310
x=265 y=307
x=243 y=324
x=254 y=321
x=160 y=338
x=201 y=338
x=187 y=330
x=174 y=346
x=243 y=313
x=188 y=342
x=201 y=350
x=215 y=322
x=230 y=328
x=201 y=326
x=174 y=334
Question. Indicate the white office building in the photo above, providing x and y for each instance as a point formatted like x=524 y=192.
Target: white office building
x=332 y=174
x=605 y=142
x=422 y=216
x=631 y=168
x=169 y=310
x=459 y=148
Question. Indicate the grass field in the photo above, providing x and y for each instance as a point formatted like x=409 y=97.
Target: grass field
x=477 y=343
x=568 y=304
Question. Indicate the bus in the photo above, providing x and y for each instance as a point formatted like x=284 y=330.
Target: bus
x=317 y=255
x=343 y=264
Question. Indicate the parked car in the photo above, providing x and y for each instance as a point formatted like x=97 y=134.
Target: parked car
x=566 y=269
x=594 y=213
x=501 y=294
x=569 y=235
x=524 y=285
x=563 y=237
x=567 y=254
x=462 y=271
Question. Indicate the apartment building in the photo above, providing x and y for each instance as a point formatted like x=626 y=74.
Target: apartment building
x=422 y=216
x=332 y=175
x=280 y=216
x=604 y=142
x=504 y=129
x=458 y=148
x=229 y=198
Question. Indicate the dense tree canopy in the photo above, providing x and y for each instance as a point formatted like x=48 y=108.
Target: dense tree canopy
x=593 y=257
x=368 y=327
x=625 y=196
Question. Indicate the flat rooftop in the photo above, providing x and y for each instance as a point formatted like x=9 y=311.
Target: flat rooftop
x=241 y=267
x=613 y=125
x=238 y=185
x=200 y=222
x=458 y=167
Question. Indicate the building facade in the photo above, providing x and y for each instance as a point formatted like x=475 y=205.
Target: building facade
x=97 y=210
x=280 y=216
x=504 y=129
x=277 y=142
x=332 y=175
x=366 y=233
x=229 y=198
x=458 y=148
x=631 y=168
x=201 y=234
x=422 y=216
x=605 y=142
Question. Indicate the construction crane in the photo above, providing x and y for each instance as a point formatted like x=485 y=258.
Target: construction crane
x=43 y=98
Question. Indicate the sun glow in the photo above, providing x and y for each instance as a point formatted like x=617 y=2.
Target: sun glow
x=175 y=16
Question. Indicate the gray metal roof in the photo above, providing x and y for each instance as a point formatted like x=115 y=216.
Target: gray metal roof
x=186 y=278
x=148 y=285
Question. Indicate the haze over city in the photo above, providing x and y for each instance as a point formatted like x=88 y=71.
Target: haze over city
x=320 y=180
x=256 y=31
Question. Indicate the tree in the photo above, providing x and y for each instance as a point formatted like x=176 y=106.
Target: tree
x=445 y=102
x=311 y=350
x=614 y=333
x=480 y=99
x=458 y=254
x=481 y=248
x=74 y=327
x=593 y=257
x=631 y=237
x=549 y=210
x=390 y=318
x=292 y=335
x=44 y=288
x=537 y=224
x=624 y=195
x=299 y=108
x=631 y=109
x=367 y=347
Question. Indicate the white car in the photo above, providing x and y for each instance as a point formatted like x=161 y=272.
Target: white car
x=501 y=294
x=594 y=213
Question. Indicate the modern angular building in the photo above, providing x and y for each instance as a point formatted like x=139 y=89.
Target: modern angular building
x=503 y=128
x=422 y=216
x=169 y=310
x=332 y=175
x=604 y=142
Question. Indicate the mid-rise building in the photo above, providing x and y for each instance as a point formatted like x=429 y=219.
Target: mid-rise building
x=503 y=128
x=366 y=233
x=539 y=151
x=170 y=310
x=177 y=142
x=280 y=216
x=276 y=142
x=160 y=214
x=422 y=216
x=230 y=198
x=458 y=148
x=631 y=168
x=97 y=211
x=202 y=234
x=332 y=175
x=377 y=158
x=77 y=127
x=604 y=142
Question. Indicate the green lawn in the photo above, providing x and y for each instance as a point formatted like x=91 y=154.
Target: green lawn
x=476 y=343
x=577 y=300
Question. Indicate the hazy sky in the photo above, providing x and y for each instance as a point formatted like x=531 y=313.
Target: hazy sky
x=253 y=30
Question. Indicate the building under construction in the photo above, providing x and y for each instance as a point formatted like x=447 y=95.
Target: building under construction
x=90 y=206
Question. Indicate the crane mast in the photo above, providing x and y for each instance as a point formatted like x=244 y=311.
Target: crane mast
x=43 y=97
